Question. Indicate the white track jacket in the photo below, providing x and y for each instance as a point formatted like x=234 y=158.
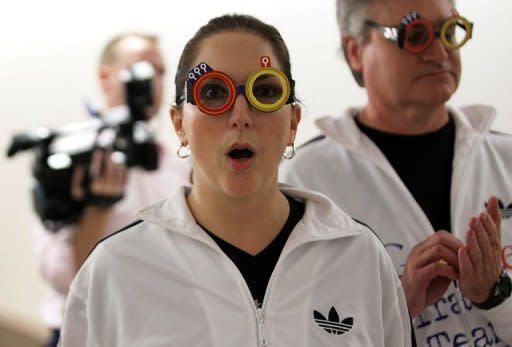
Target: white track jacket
x=165 y=282
x=349 y=168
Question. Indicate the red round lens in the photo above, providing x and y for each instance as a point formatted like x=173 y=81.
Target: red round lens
x=419 y=35
x=223 y=102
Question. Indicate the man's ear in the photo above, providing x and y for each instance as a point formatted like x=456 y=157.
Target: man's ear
x=104 y=78
x=177 y=121
x=353 y=53
x=294 y=123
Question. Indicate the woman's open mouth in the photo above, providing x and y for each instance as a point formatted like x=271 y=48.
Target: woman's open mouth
x=240 y=157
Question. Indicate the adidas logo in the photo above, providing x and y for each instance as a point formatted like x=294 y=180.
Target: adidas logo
x=333 y=325
x=506 y=211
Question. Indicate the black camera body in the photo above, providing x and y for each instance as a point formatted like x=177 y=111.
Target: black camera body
x=58 y=151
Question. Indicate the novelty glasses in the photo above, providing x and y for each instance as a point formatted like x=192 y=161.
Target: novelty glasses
x=415 y=34
x=214 y=92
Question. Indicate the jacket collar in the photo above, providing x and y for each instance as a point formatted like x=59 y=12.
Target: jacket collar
x=322 y=219
x=471 y=119
x=472 y=122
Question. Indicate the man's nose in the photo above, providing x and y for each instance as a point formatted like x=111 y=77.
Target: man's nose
x=437 y=52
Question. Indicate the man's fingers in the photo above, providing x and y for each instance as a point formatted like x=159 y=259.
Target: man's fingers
x=433 y=270
x=121 y=175
x=112 y=179
x=493 y=232
x=465 y=264
x=493 y=209
x=484 y=243
x=95 y=167
x=77 y=178
x=440 y=246
x=448 y=240
x=436 y=253
x=115 y=174
x=473 y=248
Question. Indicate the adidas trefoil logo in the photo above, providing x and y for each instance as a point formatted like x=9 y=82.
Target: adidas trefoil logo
x=333 y=325
x=506 y=211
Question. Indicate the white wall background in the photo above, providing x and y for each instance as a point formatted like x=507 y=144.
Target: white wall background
x=48 y=56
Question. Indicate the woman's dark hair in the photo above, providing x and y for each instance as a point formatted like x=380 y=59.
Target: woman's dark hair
x=226 y=23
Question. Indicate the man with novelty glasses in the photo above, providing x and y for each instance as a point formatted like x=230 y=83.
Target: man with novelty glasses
x=431 y=179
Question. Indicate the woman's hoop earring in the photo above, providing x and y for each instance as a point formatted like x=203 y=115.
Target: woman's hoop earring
x=290 y=154
x=180 y=152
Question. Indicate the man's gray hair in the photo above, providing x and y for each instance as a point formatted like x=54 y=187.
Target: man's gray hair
x=350 y=15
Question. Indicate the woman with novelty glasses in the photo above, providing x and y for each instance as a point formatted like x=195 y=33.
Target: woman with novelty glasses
x=237 y=259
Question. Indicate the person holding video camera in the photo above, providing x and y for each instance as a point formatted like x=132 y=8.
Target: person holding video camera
x=118 y=189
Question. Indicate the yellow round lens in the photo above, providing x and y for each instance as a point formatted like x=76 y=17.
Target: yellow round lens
x=267 y=106
x=451 y=35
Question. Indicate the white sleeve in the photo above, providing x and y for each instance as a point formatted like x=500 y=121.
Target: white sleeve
x=88 y=319
x=397 y=324
x=396 y=319
x=75 y=328
x=56 y=256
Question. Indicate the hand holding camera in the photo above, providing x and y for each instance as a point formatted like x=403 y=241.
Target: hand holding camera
x=85 y=164
x=107 y=179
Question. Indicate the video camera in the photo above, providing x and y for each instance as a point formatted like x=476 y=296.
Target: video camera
x=58 y=151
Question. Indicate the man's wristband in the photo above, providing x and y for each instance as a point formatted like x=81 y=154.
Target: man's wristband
x=500 y=292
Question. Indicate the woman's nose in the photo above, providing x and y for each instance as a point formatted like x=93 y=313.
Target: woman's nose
x=241 y=113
